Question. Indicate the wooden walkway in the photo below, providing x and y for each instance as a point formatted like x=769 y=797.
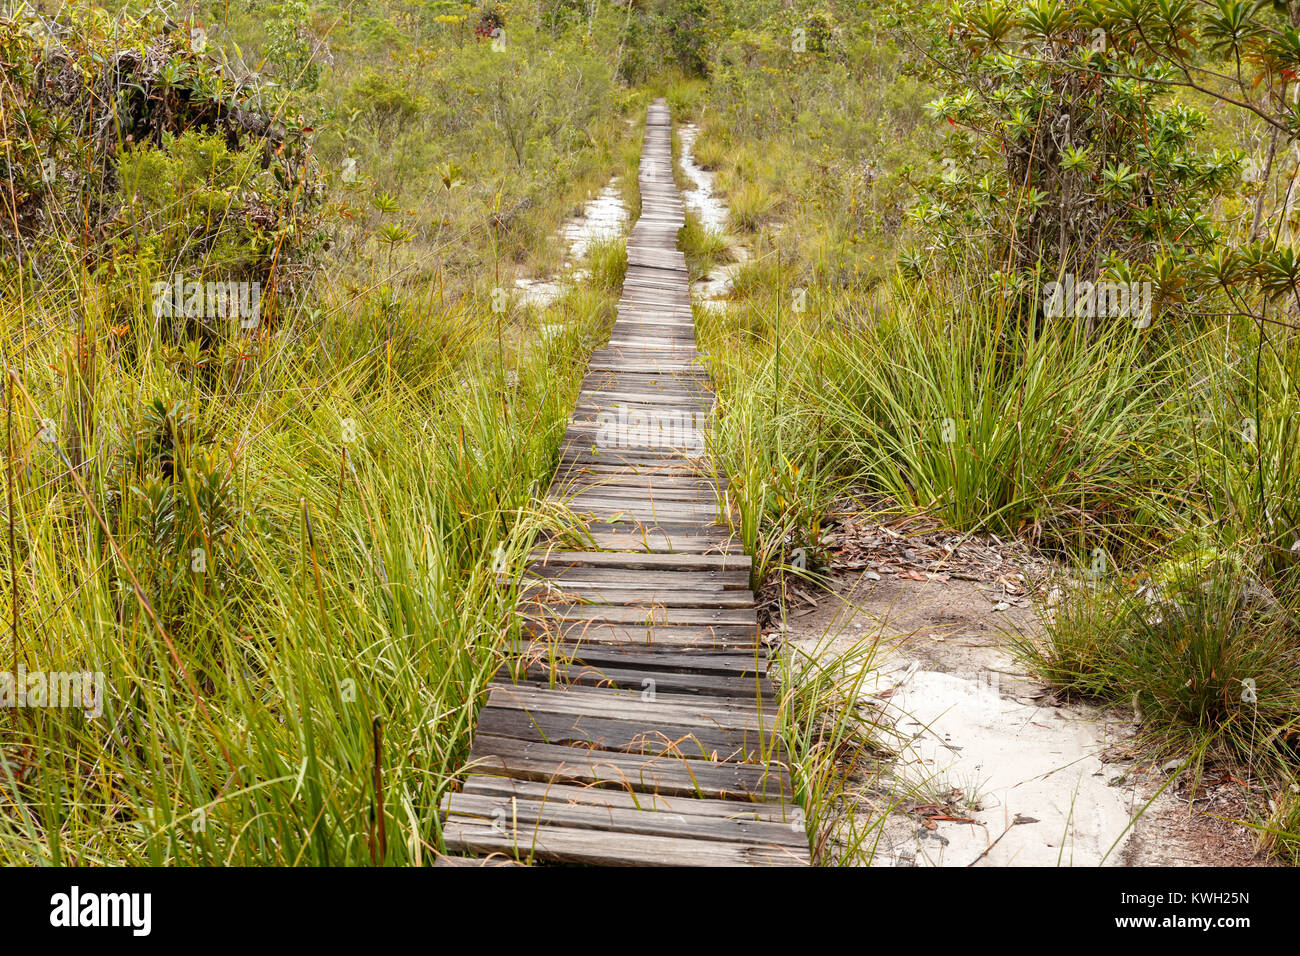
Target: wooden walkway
x=638 y=727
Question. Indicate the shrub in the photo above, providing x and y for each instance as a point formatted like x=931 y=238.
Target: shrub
x=140 y=119
x=1213 y=671
x=290 y=46
x=382 y=101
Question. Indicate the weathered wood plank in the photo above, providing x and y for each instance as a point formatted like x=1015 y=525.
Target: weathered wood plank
x=646 y=616
x=726 y=713
x=661 y=540
x=567 y=628
x=633 y=676
x=444 y=859
x=630 y=734
x=655 y=486
x=709 y=579
x=584 y=452
x=524 y=760
x=580 y=456
x=593 y=403
x=741 y=663
x=551 y=596
x=629 y=511
x=517 y=813
x=693 y=501
x=640 y=562
x=775 y=812
x=645 y=367
x=645 y=382
x=641 y=634
x=601 y=848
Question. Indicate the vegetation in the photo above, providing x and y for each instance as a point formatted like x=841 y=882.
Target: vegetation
x=275 y=522
x=276 y=532
x=896 y=332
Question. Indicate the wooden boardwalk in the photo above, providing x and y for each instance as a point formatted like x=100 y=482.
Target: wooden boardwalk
x=637 y=725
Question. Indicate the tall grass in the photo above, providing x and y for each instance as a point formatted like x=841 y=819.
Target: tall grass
x=281 y=547
x=835 y=743
x=352 y=512
x=989 y=424
x=703 y=247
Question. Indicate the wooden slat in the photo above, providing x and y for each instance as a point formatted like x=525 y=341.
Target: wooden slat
x=783 y=813
x=659 y=540
x=571 y=494
x=646 y=562
x=633 y=735
x=444 y=859
x=649 y=615
x=550 y=595
x=601 y=848
x=660 y=707
x=666 y=488
x=688 y=661
x=643 y=635
x=698 y=505
x=634 y=675
x=523 y=760
x=587 y=455
x=512 y=812
x=624 y=577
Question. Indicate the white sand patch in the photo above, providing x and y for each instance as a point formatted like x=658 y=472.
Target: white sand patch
x=1035 y=773
x=701 y=198
x=713 y=289
x=604 y=217
x=979 y=739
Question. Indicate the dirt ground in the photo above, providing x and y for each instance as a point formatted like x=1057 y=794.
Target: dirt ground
x=993 y=768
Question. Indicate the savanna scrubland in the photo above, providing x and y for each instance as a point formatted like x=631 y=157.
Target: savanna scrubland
x=287 y=542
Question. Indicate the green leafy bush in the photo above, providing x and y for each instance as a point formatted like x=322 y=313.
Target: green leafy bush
x=144 y=126
x=290 y=46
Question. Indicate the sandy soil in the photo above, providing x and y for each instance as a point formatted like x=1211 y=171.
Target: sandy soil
x=992 y=768
x=701 y=198
x=603 y=217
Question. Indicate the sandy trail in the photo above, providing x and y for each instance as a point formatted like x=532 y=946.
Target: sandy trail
x=1022 y=778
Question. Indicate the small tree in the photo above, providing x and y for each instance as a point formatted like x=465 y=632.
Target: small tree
x=1072 y=149
x=291 y=47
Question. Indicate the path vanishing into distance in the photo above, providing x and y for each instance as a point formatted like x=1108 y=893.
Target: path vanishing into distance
x=636 y=724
